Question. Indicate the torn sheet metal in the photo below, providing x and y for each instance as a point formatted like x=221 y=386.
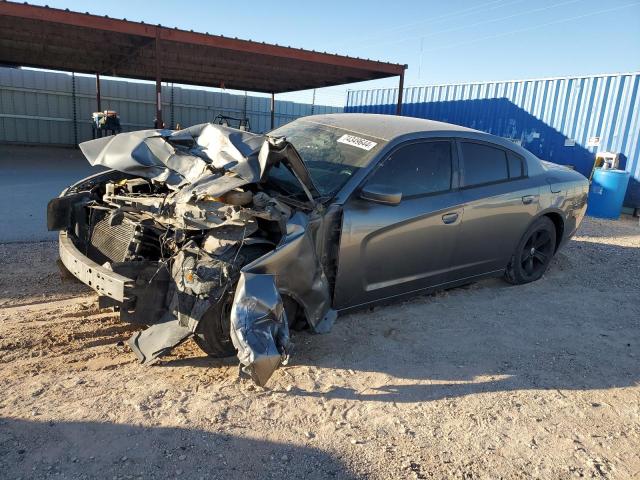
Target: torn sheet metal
x=277 y=149
x=259 y=326
x=259 y=329
x=179 y=157
x=197 y=156
x=199 y=281
x=158 y=340
x=298 y=273
x=146 y=154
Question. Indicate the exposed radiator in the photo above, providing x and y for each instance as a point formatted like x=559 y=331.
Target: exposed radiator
x=121 y=242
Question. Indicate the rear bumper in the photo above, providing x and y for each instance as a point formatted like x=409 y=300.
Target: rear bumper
x=104 y=281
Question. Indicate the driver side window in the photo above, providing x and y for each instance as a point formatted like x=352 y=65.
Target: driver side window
x=419 y=168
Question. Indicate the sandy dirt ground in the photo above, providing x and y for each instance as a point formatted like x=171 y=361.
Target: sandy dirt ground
x=487 y=381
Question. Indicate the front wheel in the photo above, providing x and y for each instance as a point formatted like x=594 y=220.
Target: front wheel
x=212 y=334
x=533 y=253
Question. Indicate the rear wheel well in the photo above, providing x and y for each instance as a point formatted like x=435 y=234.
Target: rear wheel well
x=558 y=222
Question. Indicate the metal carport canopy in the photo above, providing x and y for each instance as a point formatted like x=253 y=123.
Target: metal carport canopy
x=51 y=38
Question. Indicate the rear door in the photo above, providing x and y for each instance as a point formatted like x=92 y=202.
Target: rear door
x=387 y=250
x=499 y=204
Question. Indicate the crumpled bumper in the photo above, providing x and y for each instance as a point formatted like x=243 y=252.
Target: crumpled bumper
x=104 y=281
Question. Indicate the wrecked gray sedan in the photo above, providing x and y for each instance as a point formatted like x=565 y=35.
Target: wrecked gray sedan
x=233 y=238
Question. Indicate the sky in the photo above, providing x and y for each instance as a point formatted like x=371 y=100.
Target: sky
x=446 y=41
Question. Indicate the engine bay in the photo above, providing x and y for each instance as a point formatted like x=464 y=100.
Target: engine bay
x=133 y=219
x=212 y=246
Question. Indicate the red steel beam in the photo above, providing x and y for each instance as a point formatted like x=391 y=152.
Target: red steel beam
x=159 y=122
x=144 y=58
x=261 y=79
x=85 y=20
x=400 y=91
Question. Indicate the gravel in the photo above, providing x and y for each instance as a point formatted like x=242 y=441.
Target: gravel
x=487 y=381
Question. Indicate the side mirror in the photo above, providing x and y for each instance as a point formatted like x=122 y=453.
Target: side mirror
x=381 y=194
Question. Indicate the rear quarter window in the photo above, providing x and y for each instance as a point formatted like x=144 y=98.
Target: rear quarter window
x=483 y=164
x=516 y=165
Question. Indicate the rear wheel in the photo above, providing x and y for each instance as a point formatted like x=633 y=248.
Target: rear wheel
x=533 y=253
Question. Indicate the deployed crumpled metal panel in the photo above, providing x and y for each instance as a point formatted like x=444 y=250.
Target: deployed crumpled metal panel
x=258 y=323
x=179 y=157
x=200 y=164
x=259 y=326
x=297 y=272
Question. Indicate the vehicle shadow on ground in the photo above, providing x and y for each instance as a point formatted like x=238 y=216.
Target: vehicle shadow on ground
x=105 y=450
x=201 y=362
x=567 y=331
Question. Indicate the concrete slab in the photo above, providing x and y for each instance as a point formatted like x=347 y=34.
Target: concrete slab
x=29 y=178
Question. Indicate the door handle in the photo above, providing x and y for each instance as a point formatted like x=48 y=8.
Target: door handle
x=449 y=218
x=528 y=199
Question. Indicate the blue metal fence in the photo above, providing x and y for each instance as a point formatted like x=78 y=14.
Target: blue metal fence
x=563 y=120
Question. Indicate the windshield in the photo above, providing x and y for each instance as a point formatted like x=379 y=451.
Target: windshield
x=332 y=155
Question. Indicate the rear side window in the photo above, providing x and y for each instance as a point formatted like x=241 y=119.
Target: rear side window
x=516 y=165
x=417 y=169
x=483 y=164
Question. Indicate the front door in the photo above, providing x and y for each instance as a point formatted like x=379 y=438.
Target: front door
x=387 y=250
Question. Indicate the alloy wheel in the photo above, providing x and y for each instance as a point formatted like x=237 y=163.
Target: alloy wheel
x=536 y=253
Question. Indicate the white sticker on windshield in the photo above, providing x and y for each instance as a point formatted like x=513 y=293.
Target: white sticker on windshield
x=354 y=141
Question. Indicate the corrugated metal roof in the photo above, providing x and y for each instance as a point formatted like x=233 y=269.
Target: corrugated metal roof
x=52 y=38
x=558 y=119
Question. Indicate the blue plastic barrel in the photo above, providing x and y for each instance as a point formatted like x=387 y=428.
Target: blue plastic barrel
x=606 y=193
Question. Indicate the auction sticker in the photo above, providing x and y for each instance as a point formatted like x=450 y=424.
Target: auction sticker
x=359 y=142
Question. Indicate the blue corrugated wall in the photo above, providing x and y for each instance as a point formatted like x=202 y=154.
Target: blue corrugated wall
x=555 y=118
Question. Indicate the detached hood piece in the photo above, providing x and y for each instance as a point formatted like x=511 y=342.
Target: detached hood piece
x=259 y=326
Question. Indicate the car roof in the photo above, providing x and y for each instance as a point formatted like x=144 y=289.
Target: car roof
x=389 y=127
x=384 y=127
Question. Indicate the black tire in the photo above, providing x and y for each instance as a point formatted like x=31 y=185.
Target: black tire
x=533 y=253
x=212 y=334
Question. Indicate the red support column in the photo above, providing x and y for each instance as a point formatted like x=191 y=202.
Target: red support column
x=273 y=109
x=159 y=123
x=98 y=97
x=400 y=91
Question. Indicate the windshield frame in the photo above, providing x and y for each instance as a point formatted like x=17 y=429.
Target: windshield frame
x=364 y=160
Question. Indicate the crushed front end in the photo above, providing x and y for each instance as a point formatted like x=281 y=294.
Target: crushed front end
x=184 y=217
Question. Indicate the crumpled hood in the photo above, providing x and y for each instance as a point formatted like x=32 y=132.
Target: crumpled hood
x=179 y=157
x=200 y=155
